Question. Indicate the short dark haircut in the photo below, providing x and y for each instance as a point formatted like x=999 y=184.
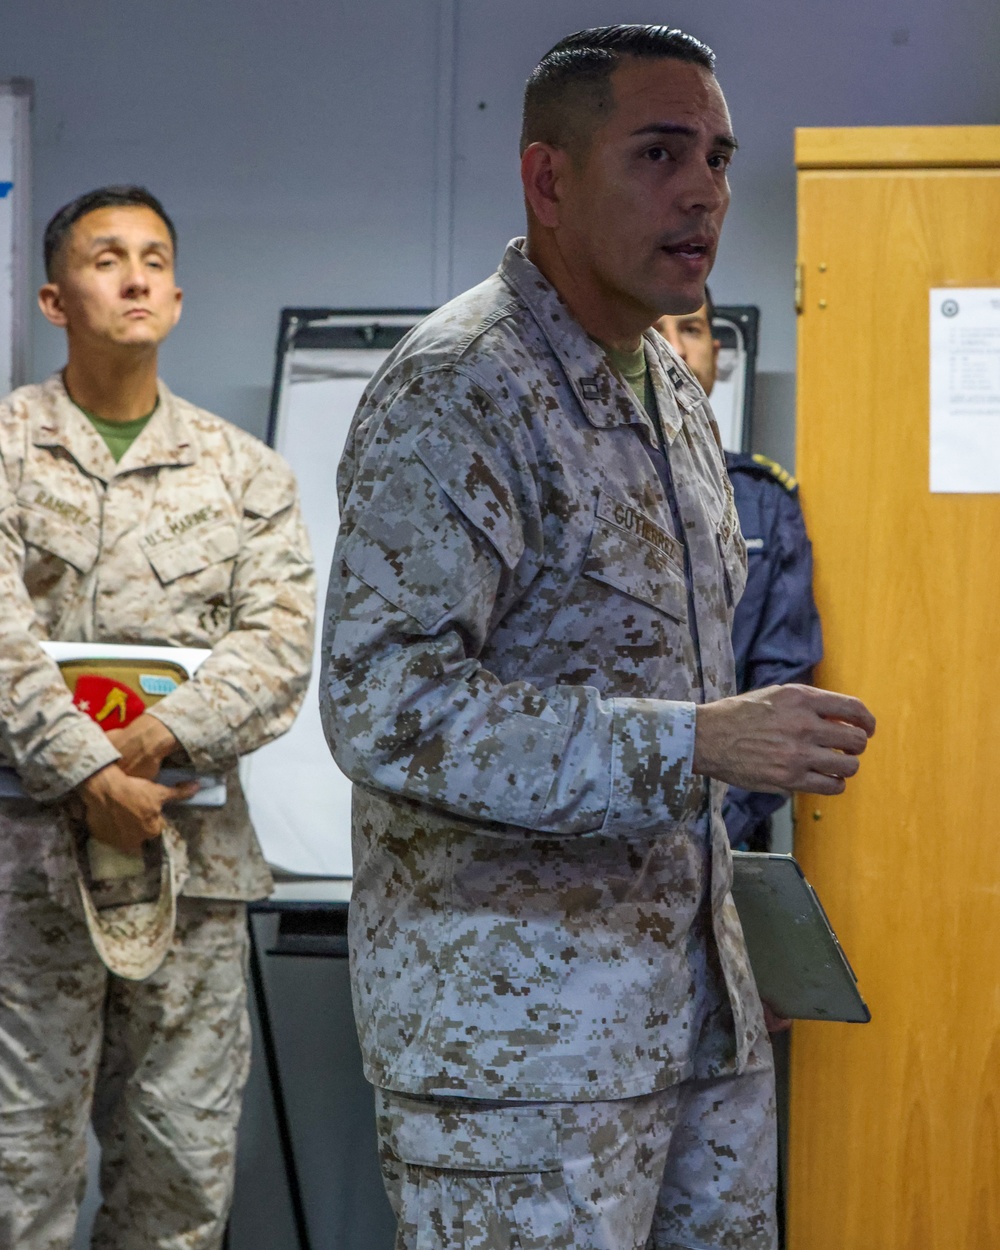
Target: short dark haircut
x=58 y=229
x=569 y=91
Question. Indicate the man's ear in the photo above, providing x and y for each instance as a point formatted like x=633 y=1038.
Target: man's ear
x=178 y=305
x=542 y=170
x=50 y=302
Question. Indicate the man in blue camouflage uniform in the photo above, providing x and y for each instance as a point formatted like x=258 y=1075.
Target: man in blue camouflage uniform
x=528 y=675
x=777 y=637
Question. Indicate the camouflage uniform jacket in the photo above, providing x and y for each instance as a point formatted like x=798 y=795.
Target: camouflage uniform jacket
x=516 y=634
x=193 y=539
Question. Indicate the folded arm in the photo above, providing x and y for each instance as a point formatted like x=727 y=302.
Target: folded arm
x=250 y=688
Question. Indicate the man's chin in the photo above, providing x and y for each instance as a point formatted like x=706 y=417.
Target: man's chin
x=678 y=293
x=680 y=302
x=140 y=337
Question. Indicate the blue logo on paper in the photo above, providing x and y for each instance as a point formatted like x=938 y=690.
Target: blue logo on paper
x=949 y=308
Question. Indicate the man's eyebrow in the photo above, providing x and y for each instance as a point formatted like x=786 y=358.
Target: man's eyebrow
x=115 y=240
x=726 y=141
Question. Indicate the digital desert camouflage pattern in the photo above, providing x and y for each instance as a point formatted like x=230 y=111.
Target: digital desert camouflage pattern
x=691 y=1166
x=164 y=1062
x=194 y=539
x=516 y=635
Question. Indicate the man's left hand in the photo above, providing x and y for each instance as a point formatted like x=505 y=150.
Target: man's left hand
x=144 y=745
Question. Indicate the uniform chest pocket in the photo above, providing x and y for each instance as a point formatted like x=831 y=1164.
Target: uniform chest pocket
x=637 y=568
x=210 y=549
x=57 y=537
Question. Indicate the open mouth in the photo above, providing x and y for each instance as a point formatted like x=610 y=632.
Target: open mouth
x=688 y=250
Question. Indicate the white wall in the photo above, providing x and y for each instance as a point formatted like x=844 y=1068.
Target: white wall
x=299 y=144
x=291 y=142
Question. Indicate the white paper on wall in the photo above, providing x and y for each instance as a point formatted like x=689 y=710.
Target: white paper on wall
x=729 y=389
x=15 y=232
x=965 y=389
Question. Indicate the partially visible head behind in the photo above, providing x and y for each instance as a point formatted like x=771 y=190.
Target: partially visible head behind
x=59 y=229
x=569 y=93
x=692 y=337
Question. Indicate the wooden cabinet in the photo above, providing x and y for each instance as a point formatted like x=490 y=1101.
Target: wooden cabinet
x=895 y=1126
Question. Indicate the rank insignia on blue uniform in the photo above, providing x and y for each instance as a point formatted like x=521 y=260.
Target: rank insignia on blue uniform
x=776 y=471
x=590 y=388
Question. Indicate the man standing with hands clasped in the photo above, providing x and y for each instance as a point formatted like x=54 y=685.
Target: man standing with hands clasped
x=528 y=675
x=130 y=516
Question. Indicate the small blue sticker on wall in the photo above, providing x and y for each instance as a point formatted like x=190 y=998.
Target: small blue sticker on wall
x=5 y=189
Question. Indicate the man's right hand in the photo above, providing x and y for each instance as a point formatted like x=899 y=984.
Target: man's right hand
x=126 y=811
x=783 y=738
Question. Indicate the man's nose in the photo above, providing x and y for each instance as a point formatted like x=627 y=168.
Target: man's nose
x=134 y=280
x=703 y=190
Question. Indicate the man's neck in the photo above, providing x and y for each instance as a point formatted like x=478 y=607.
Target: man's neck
x=118 y=387
x=613 y=326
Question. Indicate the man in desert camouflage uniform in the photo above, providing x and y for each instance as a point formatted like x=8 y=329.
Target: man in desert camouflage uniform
x=130 y=516
x=528 y=675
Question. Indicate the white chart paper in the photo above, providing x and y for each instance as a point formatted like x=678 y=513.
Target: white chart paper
x=299 y=799
x=965 y=390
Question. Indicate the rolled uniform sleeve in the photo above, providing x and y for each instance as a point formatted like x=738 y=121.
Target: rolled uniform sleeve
x=52 y=745
x=432 y=554
x=249 y=690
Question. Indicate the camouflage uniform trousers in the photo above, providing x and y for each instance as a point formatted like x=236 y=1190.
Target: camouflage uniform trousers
x=159 y=1065
x=691 y=1167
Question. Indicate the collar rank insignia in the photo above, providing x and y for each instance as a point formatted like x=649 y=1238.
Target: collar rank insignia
x=675 y=376
x=590 y=388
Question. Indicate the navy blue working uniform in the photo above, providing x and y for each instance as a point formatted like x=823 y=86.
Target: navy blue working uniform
x=776 y=631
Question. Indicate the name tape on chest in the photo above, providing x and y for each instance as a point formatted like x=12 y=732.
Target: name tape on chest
x=61 y=507
x=176 y=529
x=626 y=517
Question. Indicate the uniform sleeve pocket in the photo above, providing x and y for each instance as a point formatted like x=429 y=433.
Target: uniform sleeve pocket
x=58 y=538
x=636 y=567
x=412 y=547
x=470 y=475
x=180 y=559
